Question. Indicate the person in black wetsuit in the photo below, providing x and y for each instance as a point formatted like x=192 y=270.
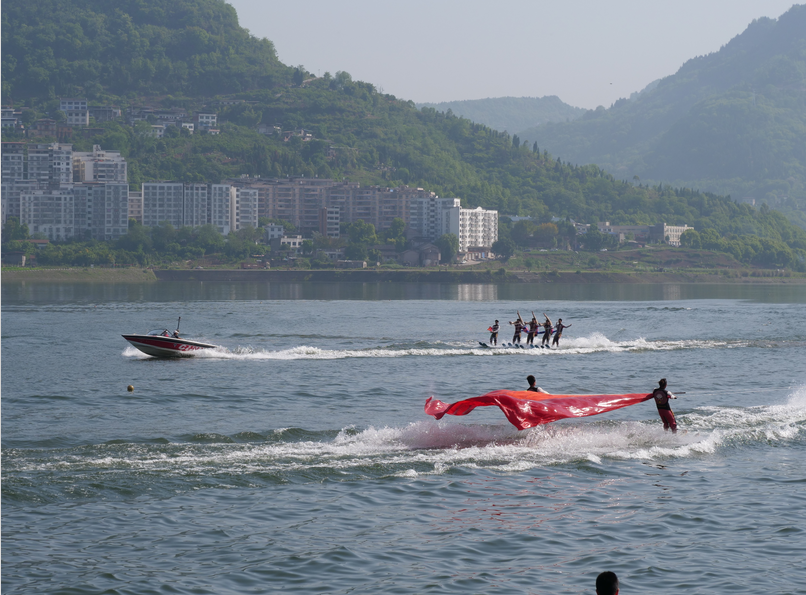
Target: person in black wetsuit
x=558 y=332
x=519 y=326
x=532 y=387
x=546 y=332
x=662 y=396
x=494 y=333
x=533 y=326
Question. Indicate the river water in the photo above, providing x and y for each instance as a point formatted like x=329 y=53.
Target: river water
x=298 y=458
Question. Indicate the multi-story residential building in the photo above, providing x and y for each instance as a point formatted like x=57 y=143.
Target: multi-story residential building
x=104 y=113
x=163 y=201
x=9 y=118
x=50 y=212
x=329 y=222
x=75 y=110
x=669 y=234
x=101 y=210
x=72 y=103
x=99 y=166
x=273 y=231
x=13 y=159
x=206 y=119
x=50 y=164
x=660 y=233
x=222 y=199
x=11 y=196
x=430 y=217
x=478 y=228
x=136 y=206
x=196 y=205
x=426 y=216
x=246 y=208
x=306 y=202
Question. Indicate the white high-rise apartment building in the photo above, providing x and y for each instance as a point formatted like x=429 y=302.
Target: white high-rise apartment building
x=99 y=166
x=475 y=228
x=432 y=217
x=426 y=216
x=222 y=200
x=196 y=205
x=13 y=161
x=245 y=209
x=50 y=164
x=50 y=212
x=163 y=201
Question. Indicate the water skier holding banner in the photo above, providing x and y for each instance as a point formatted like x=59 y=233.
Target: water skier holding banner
x=662 y=396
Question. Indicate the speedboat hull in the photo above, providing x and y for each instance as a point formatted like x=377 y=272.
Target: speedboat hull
x=160 y=346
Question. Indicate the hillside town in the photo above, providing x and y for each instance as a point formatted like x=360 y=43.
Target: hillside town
x=62 y=194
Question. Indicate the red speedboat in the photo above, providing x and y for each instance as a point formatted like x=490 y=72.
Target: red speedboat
x=161 y=343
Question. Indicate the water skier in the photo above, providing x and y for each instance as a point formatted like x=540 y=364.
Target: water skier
x=494 y=333
x=533 y=326
x=662 y=396
x=519 y=326
x=532 y=388
x=558 y=331
x=546 y=332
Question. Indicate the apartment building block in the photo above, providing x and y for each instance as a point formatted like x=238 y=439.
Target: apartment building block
x=50 y=212
x=245 y=213
x=99 y=166
x=163 y=201
x=75 y=110
x=206 y=119
x=195 y=205
x=50 y=164
x=222 y=199
x=101 y=210
x=136 y=206
x=11 y=195
x=13 y=161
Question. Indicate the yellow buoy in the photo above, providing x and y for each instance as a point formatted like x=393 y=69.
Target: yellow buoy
x=130 y=388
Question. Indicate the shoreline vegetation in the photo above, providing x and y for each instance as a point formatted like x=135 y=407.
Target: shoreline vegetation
x=443 y=275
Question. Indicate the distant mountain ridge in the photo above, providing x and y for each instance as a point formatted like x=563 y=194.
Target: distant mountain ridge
x=732 y=122
x=510 y=113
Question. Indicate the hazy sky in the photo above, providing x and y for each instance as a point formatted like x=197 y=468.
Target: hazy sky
x=587 y=52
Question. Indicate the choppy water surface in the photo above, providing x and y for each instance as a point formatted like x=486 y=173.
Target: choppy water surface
x=297 y=457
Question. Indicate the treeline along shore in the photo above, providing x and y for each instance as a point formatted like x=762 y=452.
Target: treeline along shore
x=138 y=275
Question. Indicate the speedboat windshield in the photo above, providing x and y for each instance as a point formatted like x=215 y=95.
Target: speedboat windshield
x=157 y=332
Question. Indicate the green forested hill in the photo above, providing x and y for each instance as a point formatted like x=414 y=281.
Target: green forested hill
x=510 y=113
x=732 y=122
x=358 y=133
x=98 y=48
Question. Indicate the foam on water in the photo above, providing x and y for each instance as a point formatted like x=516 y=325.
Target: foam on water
x=430 y=447
x=594 y=343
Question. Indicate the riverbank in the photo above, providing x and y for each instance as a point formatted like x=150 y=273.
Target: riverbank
x=78 y=275
x=461 y=276
x=457 y=275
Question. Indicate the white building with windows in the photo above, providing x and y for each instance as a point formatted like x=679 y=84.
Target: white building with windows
x=101 y=210
x=75 y=110
x=426 y=215
x=50 y=212
x=99 y=166
x=206 y=119
x=432 y=217
x=222 y=199
x=245 y=211
x=196 y=205
x=50 y=164
x=163 y=201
